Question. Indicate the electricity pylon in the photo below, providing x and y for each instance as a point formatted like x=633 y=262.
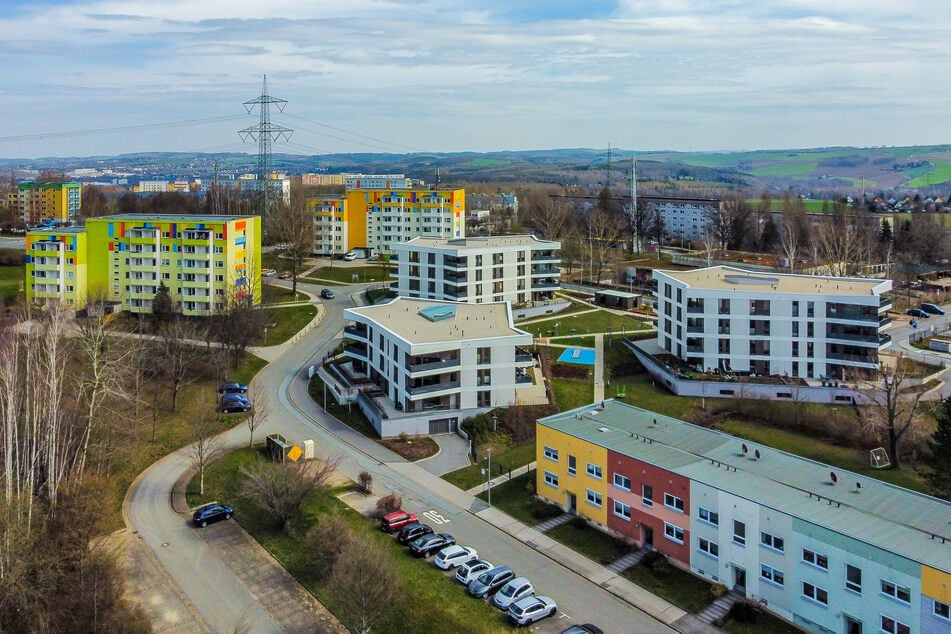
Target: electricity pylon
x=265 y=133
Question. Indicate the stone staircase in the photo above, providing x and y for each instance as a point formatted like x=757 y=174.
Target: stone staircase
x=720 y=607
x=547 y=525
x=629 y=560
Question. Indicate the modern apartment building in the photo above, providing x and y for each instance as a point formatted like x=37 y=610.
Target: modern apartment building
x=433 y=361
x=517 y=269
x=205 y=261
x=378 y=219
x=806 y=326
x=829 y=550
x=48 y=202
x=683 y=218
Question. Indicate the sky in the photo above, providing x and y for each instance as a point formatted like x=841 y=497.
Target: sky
x=106 y=77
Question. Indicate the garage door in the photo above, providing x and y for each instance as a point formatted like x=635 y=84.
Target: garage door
x=442 y=425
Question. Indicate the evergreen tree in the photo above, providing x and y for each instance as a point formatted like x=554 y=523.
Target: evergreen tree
x=940 y=446
x=162 y=308
x=885 y=235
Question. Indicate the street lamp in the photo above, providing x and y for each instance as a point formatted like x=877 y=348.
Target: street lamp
x=488 y=452
x=495 y=422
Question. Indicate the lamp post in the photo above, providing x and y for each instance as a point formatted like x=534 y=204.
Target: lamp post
x=495 y=422
x=265 y=336
x=488 y=453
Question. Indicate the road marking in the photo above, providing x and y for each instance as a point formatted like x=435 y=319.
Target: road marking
x=435 y=517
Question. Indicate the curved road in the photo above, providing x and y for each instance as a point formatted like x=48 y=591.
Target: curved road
x=222 y=600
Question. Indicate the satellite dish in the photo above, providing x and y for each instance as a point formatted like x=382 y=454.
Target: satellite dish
x=756 y=453
x=833 y=477
x=745 y=448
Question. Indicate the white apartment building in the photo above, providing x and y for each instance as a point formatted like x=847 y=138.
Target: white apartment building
x=396 y=216
x=804 y=326
x=684 y=218
x=516 y=269
x=435 y=362
x=377 y=181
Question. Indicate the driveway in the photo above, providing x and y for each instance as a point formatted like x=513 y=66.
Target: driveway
x=453 y=454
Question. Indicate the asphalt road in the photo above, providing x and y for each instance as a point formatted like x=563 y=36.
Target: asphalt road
x=221 y=600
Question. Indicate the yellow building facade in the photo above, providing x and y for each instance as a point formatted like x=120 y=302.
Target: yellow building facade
x=40 y=203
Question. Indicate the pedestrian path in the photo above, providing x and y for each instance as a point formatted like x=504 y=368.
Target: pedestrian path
x=716 y=611
x=481 y=488
x=553 y=522
x=629 y=560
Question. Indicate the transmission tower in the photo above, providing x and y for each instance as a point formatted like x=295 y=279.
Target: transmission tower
x=265 y=133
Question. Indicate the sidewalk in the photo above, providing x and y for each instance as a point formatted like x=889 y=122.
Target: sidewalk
x=611 y=581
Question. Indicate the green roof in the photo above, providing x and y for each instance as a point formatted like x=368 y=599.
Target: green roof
x=907 y=523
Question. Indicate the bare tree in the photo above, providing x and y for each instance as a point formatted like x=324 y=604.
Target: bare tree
x=789 y=243
x=892 y=407
x=206 y=446
x=281 y=489
x=180 y=359
x=552 y=219
x=363 y=587
x=709 y=241
x=293 y=225
x=260 y=410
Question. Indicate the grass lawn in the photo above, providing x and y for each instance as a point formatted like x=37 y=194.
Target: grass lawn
x=284 y=323
x=511 y=497
x=511 y=458
x=351 y=416
x=817 y=449
x=572 y=393
x=447 y=607
x=590 y=542
x=273 y=294
x=684 y=590
x=11 y=278
x=583 y=342
x=584 y=323
x=344 y=274
x=765 y=622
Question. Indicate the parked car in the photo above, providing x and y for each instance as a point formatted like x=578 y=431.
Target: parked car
x=455 y=555
x=917 y=312
x=233 y=403
x=584 y=628
x=397 y=520
x=285 y=275
x=373 y=258
x=326 y=293
x=409 y=532
x=468 y=572
x=516 y=589
x=932 y=309
x=269 y=272
x=530 y=609
x=349 y=257
x=211 y=513
x=490 y=581
x=428 y=544
x=230 y=387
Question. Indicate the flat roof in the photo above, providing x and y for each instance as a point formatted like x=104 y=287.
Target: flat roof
x=407 y=318
x=907 y=523
x=487 y=242
x=613 y=293
x=731 y=278
x=57 y=230
x=169 y=218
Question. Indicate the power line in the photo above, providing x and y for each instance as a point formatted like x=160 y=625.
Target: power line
x=125 y=128
x=264 y=133
x=356 y=134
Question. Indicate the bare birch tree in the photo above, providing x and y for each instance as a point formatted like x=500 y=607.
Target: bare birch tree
x=281 y=489
x=206 y=446
x=364 y=585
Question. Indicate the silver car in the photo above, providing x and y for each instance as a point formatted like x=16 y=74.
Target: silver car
x=530 y=609
x=452 y=556
x=467 y=572
x=516 y=589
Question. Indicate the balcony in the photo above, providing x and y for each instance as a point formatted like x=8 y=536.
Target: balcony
x=884 y=303
x=434 y=387
x=854 y=358
x=458 y=295
x=356 y=332
x=545 y=270
x=357 y=351
x=547 y=284
x=523 y=379
x=696 y=329
x=371 y=403
x=884 y=322
x=871 y=339
x=522 y=356
x=698 y=349
x=884 y=340
x=545 y=256
x=414 y=368
x=455 y=277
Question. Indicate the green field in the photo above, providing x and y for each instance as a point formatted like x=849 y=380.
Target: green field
x=284 y=323
x=11 y=280
x=787 y=169
x=940 y=173
x=345 y=274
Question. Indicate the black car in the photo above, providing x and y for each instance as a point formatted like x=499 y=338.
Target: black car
x=584 y=628
x=411 y=531
x=428 y=544
x=326 y=293
x=230 y=387
x=211 y=513
x=233 y=403
x=917 y=312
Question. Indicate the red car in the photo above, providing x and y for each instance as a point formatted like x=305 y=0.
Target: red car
x=396 y=520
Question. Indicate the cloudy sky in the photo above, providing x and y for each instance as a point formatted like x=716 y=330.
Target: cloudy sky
x=83 y=77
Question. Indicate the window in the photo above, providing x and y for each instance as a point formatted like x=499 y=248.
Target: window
x=647 y=495
x=622 y=482
x=892 y=626
x=622 y=510
x=772 y=541
x=551 y=454
x=739 y=533
x=593 y=470
x=551 y=479
x=673 y=533
x=572 y=467
x=708 y=547
x=673 y=502
x=942 y=610
x=772 y=575
x=816 y=559
x=815 y=593
x=901 y=593
x=708 y=516
x=853 y=578
x=593 y=497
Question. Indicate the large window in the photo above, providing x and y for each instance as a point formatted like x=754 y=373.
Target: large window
x=593 y=470
x=593 y=498
x=647 y=495
x=739 y=533
x=772 y=575
x=900 y=593
x=708 y=516
x=815 y=593
x=551 y=454
x=942 y=610
x=622 y=482
x=772 y=541
x=673 y=502
x=674 y=533
x=853 y=578
x=816 y=559
x=893 y=626
x=708 y=547
x=551 y=479
x=572 y=466
x=622 y=510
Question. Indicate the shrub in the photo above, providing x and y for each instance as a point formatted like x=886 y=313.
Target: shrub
x=579 y=522
x=530 y=487
x=656 y=561
x=366 y=482
x=545 y=510
x=324 y=542
x=403 y=437
x=744 y=612
x=388 y=504
x=718 y=590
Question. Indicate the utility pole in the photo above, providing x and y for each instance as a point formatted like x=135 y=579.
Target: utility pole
x=635 y=236
x=264 y=133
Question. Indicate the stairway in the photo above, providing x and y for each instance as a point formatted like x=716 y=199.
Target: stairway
x=720 y=607
x=629 y=560
x=547 y=525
